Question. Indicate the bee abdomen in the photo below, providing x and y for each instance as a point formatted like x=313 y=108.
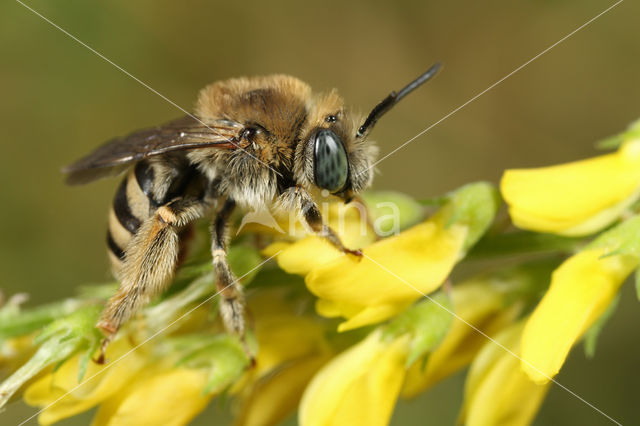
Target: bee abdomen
x=131 y=206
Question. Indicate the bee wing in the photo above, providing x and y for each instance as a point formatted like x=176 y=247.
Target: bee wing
x=181 y=134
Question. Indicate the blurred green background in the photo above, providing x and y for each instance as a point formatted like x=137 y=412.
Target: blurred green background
x=59 y=100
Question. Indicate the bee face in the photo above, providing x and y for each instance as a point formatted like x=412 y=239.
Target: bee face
x=329 y=156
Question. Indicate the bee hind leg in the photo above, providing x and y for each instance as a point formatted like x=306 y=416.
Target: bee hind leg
x=149 y=264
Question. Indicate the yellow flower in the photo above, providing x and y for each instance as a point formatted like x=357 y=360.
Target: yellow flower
x=577 y=198
x=164 y=395
x=78 y=397
x=301 y=256
x=360 y=386
x=479 y=302
x=14 y=352
x=274 y=396
x=497 y=391
x=292 y=348
x=365 y=293
x=581 y=289
x=284 y=334
x=374 y=288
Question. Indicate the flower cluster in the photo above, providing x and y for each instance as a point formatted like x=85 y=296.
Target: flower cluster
x=339 y=339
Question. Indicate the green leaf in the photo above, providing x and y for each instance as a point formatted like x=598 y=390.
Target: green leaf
x=391 y=211
x=474 y=205
x=592 y=334
x=427 y=322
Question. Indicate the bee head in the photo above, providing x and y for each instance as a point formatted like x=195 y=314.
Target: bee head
x=331 y=158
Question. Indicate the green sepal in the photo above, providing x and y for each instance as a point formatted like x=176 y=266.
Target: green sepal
x=83 y=363
x=427 y=322
x=592 y=334
x=474 y=205
x=405 y=211
x=623 y=239
x=243 y=259
x=245 y=264
x=521 y=242
x=168 y=310
x=58 y=341
x=272 y=276
x=17 y=322
x=97 y=291
x=614 y=142
x=221 y=355
x=434 y=201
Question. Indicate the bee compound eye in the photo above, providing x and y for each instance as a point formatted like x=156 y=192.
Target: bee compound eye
x=331 y=166
x=249 y=133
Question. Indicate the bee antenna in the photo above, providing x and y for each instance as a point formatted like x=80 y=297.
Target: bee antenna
x=389 y=102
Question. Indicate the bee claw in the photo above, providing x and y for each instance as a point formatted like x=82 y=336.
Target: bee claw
x=357 y=253
x=102 y=359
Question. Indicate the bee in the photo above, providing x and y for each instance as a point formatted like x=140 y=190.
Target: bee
x=252 y=143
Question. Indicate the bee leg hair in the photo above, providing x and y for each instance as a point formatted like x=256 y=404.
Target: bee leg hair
x=149 y=263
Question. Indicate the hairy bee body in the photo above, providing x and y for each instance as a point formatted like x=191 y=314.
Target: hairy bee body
x=254 y=143
x=146 y=187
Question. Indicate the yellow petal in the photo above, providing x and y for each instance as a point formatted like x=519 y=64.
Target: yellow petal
x=360 y=386
x=497 y=391
x=576 y=198
x=274 y=248
x=477 y=304
x=171 y=397
x=14 y=352
x=581 y=289
x=276 y=395
x=303 y=255
x=63 y=383
x=423 y=256
x=373 y=315
x=282 y=333
x=286 y=337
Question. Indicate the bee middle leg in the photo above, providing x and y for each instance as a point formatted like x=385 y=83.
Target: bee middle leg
x=232 y=299
x=149 y=264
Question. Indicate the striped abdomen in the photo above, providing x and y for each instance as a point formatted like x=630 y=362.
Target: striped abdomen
x=145 y=188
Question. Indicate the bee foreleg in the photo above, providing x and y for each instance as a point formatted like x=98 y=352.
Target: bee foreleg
x=149 y=262
x=231 y=297
x=310 y=213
